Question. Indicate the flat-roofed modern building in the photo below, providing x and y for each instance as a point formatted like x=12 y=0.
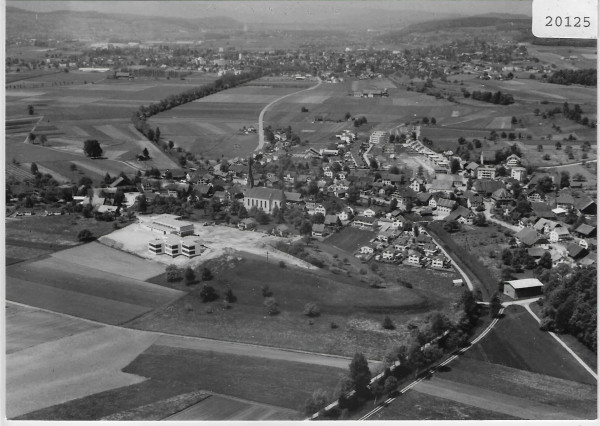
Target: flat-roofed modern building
x=528 y=287
x=169 y=224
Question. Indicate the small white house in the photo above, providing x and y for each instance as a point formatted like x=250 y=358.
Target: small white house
x=366 y=250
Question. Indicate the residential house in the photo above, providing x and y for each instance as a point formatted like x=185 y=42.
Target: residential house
x=318 y=229
x=366 y=250
x=488 y=157
x=513 y=160
x=445 y=186
x=461 y=215
x=487 y=187
x=502 y=197
x=445 y=206
x=369 y=213
x=438 y=262
x=417 y=185
x=534 y=195
x=414 y=257
x=565 y=200
x=559 y=234
x=364 y=222
x=528 y=237
x=484 y=172
x=474 y=201
x=585 y=231
x=518 y=173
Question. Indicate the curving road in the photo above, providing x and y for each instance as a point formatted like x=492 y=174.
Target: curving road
x=261 y=130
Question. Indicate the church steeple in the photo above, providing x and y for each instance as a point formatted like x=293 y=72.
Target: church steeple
x=250 y=177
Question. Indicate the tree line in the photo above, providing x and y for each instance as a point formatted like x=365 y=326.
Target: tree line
x=497 y=98
x=226 y=82
x=585 y=77
x=570 y=302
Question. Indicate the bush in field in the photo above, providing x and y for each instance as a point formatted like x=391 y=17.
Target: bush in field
x=189 y=275
x=206 y=274
x=388 y=324
x=316 y=402
x=266 y=291
x=174 y=273
x=229 y=296
x=208 y=293
x=311 y=310
x=271 y=306
x=85 y=235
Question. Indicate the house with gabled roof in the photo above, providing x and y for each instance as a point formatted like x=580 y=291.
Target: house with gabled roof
x=565 y=200
x=585 y=231
x=445 y=206
x=529 y=237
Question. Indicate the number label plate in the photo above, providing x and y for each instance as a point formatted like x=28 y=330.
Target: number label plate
x=565 y=19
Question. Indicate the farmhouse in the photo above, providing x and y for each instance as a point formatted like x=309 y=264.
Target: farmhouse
x=529 y=287
x=169 y=224
x=264 y=198
x=528 y=237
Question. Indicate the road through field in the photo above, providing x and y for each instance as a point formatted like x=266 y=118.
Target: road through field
x=261 y=131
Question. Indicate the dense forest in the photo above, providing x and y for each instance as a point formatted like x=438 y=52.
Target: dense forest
x=569 y=304
x=585 y=77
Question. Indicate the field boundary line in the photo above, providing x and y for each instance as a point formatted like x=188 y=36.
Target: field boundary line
x=564 y=345
x=196 y=338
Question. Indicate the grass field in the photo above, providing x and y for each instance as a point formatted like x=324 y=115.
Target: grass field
x=219 y=408
x=76 y=366
x=27 y=327
x=280 y=383
x=350 y=239
x=356 y=309
x=28 y=237
x=515 y=372
x=527 y=348
x=83 y=291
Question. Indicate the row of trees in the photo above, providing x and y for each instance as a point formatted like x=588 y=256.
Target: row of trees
x=144 y=112
x=497 y=98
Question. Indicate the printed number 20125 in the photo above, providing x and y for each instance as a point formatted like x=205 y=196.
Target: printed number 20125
x=568 y=21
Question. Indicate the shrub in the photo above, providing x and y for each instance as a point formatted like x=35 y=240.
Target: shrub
x=174 y=273
x=208 y=293
x=311 y=310
x=229 y=296
x=266 y=291
x=363 y=271
x=333 y=325
x=188 y=307
x=271 y=305
x=209 y=310
x=282 y=264
x=206 y=274
x=388 y=324
x=85 y=235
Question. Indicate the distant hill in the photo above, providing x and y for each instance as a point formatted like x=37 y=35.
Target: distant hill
x=488 y=20
x=98 y=26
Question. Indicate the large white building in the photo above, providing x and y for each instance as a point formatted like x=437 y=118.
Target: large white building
x=379 y=136
x=264 y=198
x=169 y=224
x=173 y=246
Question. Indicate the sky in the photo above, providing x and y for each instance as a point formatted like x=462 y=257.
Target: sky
x=282 y=10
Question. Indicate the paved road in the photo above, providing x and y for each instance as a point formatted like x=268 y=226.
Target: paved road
x=261 y=131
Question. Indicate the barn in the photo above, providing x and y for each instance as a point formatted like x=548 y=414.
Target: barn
x=529 y=287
